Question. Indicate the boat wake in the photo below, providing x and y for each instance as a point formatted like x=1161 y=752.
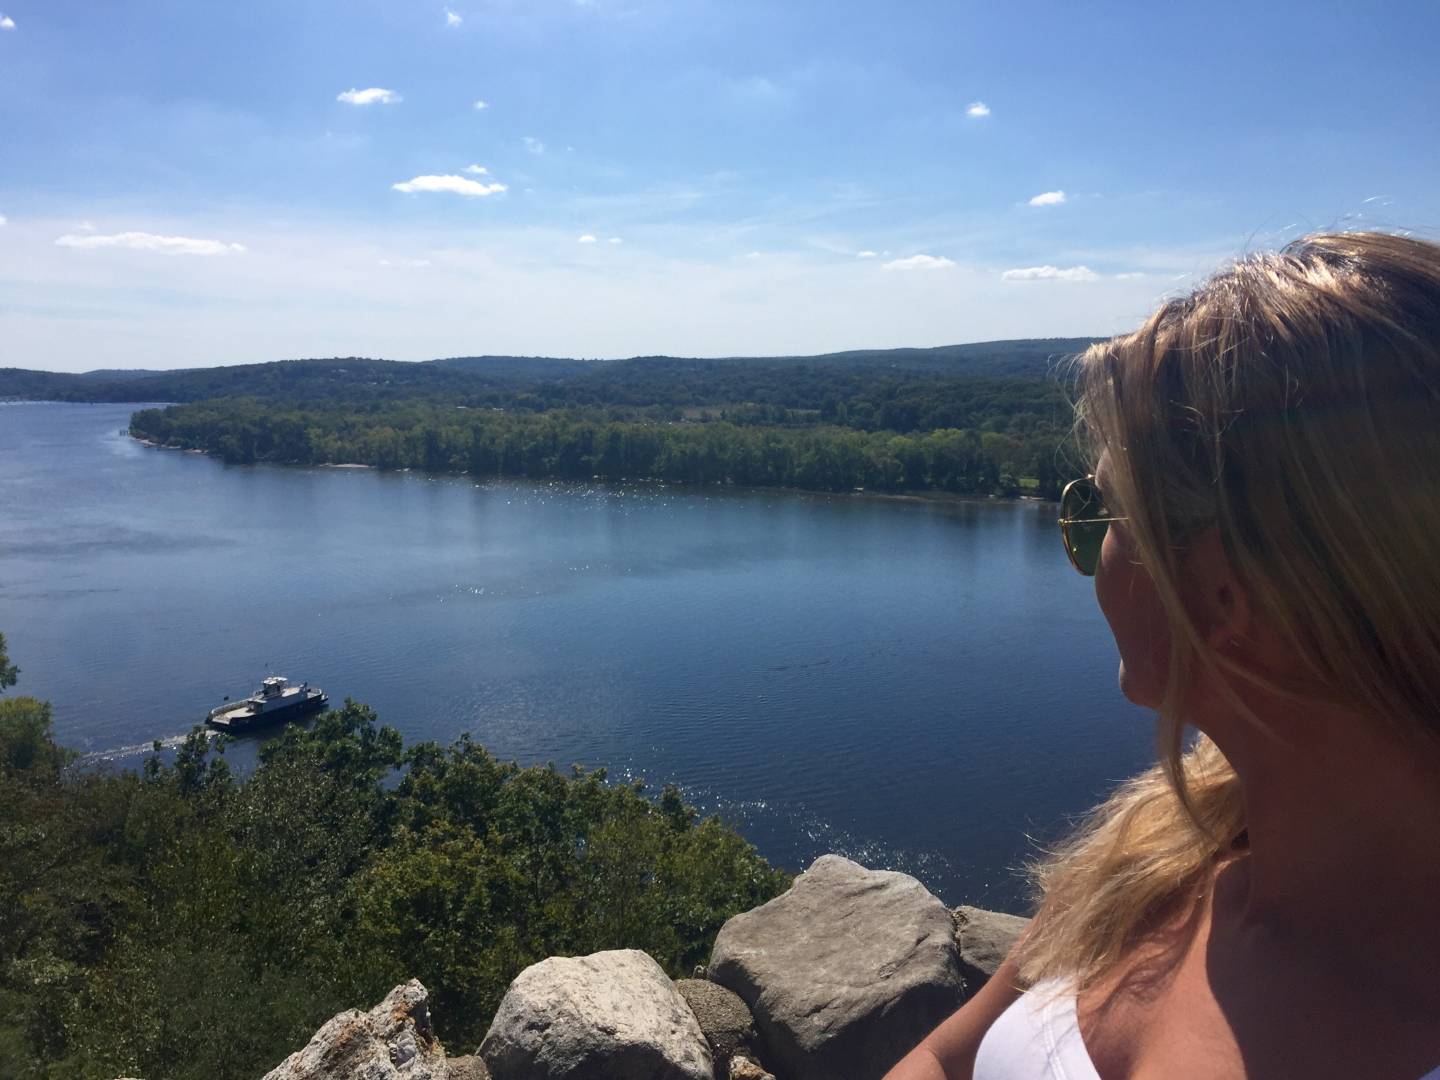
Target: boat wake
x=120 y=753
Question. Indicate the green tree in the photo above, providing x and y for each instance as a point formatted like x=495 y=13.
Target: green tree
x=187 y=922
x=8 y=671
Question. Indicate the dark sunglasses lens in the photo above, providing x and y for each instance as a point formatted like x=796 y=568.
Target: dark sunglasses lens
x=1079 y=506
x=1085 y=539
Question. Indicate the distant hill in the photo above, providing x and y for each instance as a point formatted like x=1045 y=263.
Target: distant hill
x=516 y=367
x=555 y=381
x=124 y=374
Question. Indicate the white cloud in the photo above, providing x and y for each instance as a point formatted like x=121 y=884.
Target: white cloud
x=1048 y=198
x=918 y=262
x=1049 y=273
x=452 y=19
x=755 y=89
x=978 y=108
x=477 y=170
x=865 y=255
x=481 y=104
x=455 y=185
x=6 y=22
x=586 y=239
x=534 y=145
x=405 y=262
x=372 y=96
x=1130 y=275
x=3 y=219
x=614 y=240
x=143 y=241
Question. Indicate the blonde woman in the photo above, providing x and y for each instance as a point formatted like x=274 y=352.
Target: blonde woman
x=1263 y=526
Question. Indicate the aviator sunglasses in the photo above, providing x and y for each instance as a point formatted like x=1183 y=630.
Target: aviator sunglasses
x=1084 y=521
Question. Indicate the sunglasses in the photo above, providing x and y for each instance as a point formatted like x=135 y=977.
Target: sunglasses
x=1084 y=521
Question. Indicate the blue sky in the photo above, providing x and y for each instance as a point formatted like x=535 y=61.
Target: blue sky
x=189 y=183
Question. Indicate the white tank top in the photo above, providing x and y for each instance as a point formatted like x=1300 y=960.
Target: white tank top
x=1038 y=1038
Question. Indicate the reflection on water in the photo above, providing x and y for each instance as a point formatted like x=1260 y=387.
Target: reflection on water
x=916 y=684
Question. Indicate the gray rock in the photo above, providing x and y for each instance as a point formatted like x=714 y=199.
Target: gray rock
x=984 y=938
x=468 y=1067
x=724 y=1017
x=845 y=972
x=743 y=1068
x=393 y=1041
x=607 y=1015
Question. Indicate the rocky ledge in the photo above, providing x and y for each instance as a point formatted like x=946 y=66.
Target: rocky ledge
x=835 y=979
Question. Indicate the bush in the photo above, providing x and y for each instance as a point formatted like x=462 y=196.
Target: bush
x=182 y=922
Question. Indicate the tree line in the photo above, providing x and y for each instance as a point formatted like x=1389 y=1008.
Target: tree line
x=576 y=445
x=181 y=921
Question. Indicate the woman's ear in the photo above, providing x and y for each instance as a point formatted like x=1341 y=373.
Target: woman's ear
x=1218 y=603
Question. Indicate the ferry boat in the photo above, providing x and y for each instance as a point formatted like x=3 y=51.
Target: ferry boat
x=275 y=701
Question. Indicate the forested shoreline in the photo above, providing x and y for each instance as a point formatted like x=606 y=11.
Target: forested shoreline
x=984 y=419
x=184 y=922
x=567 y=445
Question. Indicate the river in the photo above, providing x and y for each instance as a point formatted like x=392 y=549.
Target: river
x=921 y=685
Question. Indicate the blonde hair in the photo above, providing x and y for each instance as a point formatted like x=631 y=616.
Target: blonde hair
x=1292 y=402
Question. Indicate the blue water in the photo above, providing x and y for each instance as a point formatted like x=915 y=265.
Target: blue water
x=918 y=685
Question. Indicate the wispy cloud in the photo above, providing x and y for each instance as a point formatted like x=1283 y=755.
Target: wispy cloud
x=534 y=145
x=143 y=241
x=3 y=219
x=452 y=19
x=1130 y=275
x=405 y=262
x=455 y=185
x=477 y=170
x=586 y=239
x=755 y=90
x=865 y=255
x=481 y=103
x=977 y=109
x=1049 y=273
x=1048 y=198
x=374 y=95
x=614 y=240
x=6 y=22
x=918 y=262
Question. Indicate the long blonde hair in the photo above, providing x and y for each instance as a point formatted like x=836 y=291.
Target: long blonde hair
x=1293 y=403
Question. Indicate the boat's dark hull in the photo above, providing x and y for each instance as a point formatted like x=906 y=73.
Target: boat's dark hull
x=243 y=724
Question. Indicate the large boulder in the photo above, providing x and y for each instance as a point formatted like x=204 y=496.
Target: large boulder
x=845 y=972
x=607 y=1015
x=984 y=939
x=393 y=1041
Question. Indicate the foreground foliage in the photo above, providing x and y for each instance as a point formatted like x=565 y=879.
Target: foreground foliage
x=181 y=922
